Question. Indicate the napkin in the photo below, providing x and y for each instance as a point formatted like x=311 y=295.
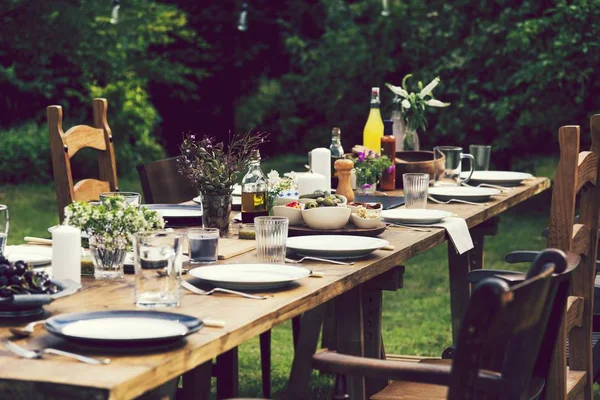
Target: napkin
x=457 y=230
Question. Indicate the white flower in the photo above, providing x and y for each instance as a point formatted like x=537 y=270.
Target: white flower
x=436 y=103
x=429 y=88
x=397 y=90
x=406 y=103
x=273 y=178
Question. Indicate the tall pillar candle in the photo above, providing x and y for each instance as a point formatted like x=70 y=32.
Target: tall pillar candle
x=66 y=253
x=309 y=182
x=320 y=163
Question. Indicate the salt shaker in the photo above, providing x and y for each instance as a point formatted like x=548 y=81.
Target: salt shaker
x=66 y=253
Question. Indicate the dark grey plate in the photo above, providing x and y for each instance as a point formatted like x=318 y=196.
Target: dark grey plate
x=27 y=305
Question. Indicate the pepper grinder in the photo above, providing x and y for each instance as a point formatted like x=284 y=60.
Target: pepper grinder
x=344 y=169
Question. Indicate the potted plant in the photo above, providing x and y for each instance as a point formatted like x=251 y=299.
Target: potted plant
x=110 y=225
x=369 y=166
x=213 y=169
x=412 y=107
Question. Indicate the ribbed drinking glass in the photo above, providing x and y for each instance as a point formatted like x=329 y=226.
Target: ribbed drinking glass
x=271 y=238
x=415 y=190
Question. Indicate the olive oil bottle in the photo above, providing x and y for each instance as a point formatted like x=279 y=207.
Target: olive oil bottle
x=254 y=191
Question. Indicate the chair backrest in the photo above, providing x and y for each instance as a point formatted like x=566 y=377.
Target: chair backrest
x=162 y=183
x=64 y=146
x=507 y=328
x=577 y=172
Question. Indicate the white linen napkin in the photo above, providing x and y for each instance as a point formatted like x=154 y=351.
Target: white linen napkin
x=457 y=230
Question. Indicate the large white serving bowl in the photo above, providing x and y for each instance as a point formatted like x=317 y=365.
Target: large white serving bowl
x=365 y=223
x=326 y=217
x=294 y=215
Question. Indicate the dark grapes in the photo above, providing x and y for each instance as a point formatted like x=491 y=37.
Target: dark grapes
x=18 y=278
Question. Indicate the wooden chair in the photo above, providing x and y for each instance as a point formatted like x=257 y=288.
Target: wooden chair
x=502 y=349
x=577 y=172
x=162 y=184
x=64 y=146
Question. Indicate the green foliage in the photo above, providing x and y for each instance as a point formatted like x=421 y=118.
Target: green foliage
x=25 y=154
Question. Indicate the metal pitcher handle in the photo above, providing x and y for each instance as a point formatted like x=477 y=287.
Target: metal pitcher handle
x=470 y=157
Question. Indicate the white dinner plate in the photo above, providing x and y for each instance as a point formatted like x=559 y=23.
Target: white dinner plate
x=445 y=193
x=415 y=215
x=32 y=255
x=503 y=178
x=335 y=247
x=235 y=200
x=250 y=276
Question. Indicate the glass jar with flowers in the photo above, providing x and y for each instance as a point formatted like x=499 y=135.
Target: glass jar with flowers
x=213 y=169
x=368 y=166
x=412 y=109
x=281 y=188
x=109 y=226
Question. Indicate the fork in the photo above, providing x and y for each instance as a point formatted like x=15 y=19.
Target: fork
x=319 y=259
x=34 y=354
x=196 y=290
x=502 y=189
x=457 y=201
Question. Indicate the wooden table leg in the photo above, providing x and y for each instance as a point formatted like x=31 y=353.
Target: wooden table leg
x=476 y=257
x=373 y=341
x=350 y=340
x=265 y=362
x=308 y=340
x=196 y=383
x=227 y=374
x=458 y=268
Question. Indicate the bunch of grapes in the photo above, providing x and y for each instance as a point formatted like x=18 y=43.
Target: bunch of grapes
x=18 y=278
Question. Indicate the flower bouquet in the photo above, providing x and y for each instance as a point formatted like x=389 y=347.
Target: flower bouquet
x=369 y=166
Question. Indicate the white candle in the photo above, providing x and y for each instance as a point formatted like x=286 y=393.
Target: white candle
x=309 y=182
x=320 y=163
x=66 y=253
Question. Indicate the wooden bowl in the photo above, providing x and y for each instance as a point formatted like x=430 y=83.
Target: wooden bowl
x=416 y=162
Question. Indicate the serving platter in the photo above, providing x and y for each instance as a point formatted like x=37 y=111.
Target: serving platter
x=250 y=276
x=348 y=229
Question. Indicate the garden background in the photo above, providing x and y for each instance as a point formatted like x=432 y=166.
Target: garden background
x=514 y=72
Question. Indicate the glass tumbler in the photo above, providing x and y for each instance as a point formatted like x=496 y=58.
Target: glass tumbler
x=415 y=190
x=203 y=245
x=271 y=238
x=158 y=262
x=481 y=155
x=130 y=197
x=3 y=227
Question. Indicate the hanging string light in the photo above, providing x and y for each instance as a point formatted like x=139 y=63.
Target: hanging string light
x=243 y=18
x=386 y=8
x=114 y=14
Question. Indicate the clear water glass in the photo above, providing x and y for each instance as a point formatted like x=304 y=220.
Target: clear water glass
x=481 y=155
x=3 y=227
x=415 y=190
x=203 y=245
x=158 y=263
x=130 y=197
x=271 y=238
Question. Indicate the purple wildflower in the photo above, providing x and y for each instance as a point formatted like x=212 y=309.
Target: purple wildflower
x=391 y=169
x=361 y=156
x=366 y=186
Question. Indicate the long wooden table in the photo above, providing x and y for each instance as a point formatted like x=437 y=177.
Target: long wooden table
x=129 y=376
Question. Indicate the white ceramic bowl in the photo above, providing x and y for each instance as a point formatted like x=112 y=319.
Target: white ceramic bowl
x=294 y=215
x=355 y=208
x=342 y=204
x=282 y=201
x=326 y=217
x=365 y=223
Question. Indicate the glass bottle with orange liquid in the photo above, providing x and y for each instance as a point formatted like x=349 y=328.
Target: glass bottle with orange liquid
x=374 y=127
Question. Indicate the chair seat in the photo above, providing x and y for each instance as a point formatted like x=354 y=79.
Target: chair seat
x=411 y=391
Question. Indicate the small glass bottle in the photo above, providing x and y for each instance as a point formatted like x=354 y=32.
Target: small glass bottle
x=337 y=152
x=388 y=148
x=398 y=121
x=254 y=191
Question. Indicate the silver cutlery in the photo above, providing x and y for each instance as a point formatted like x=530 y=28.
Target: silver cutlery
x=457 y=201
x=502 y=189
x=196 y=290
x=27 y=330
x=325 y=260
x=33 y=354
x=396 y=225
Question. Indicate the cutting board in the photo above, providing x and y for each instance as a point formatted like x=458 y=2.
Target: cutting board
x=232 y=247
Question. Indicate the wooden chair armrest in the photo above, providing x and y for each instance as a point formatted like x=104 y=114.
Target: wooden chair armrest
x=509 y=276
x=521 y=256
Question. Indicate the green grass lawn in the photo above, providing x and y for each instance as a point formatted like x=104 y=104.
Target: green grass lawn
x=416 y=319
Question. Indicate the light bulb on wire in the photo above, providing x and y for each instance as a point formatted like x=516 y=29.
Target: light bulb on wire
x=386 y=8
x=243 y=18
x=114 y=14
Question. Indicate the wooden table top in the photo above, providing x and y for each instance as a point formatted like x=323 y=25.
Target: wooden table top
x=128 y=376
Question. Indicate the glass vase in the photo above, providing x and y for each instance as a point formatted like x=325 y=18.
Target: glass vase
x=215 y=213
x=365 y=183
x=411 y=140
x=108 y=256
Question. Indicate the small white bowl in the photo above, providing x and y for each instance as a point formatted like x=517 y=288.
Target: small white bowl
x=326 y=217
x=282 y=201
x=365 y=223
x=294 y=215
x=376 y=210
x=342 y=204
